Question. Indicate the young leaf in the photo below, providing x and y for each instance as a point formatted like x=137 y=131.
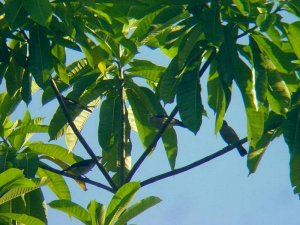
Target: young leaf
x=120 y=201
x=137 y=209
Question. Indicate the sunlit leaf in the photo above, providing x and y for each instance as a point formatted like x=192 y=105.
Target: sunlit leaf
x=72 y=209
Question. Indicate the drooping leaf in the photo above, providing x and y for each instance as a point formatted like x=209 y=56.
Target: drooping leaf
x=255 y=117
x=271 y=130
x=189 y=101
x=40 y=59
x=55 y=151
x=56 y=183
x=291 y=134
x=228 y=58
x=211 y=24
x=293 y=33
x=217 y=96
x=72 y=209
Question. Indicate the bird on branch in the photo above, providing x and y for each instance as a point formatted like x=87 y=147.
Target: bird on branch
x=73 y=104
x=231 y=138
x=82 y=167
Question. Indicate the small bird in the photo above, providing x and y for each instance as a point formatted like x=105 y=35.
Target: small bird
x=231 y=138
x=73 y=104
x=158 y=120
x=82 y=167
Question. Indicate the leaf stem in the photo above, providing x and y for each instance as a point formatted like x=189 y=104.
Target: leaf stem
x=79 y=136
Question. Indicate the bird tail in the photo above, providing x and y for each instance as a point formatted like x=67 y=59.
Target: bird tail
x=242 y=150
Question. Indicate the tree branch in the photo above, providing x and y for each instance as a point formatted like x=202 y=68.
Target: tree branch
x=165 y=125
x=79 y=136
x=86 y=180
x=193 y=165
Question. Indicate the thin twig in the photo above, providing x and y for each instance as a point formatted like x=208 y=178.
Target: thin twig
x=192 y=165
x=246 y=32
x=86 y=180
x=165 y=125
x=79 y=136
x=24 y=35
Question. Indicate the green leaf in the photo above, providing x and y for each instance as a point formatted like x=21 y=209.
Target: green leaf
x=169 y=140
x=56 y=183
x=188 y=44
x=15 y=14
x=40 y=59
x=228 y=58
x=189 y=101
x=291 y=134
x=137 y=209
x=169 y=81
x=10 y=175
x=13 y=77
x=110 y=122
x=211 y=25
x=243 y=6
x=23 y=218
x=39 y=10
x=72 y=209
x=28 y=129
x=55 y=151
x=19 y=187
x=120 y=201
x=265 y=20
x=145 y=69
x=281 y=60
x=261 y=78
x=217 y=96
x=28 y=162
x=293 y=32
x=35 y=205
x=256 y=153
x=26 y=87
x=278 y=94
x=97 y=212
x=255 y=116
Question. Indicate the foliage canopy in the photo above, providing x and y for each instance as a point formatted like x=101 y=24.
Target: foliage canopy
x=253 y=43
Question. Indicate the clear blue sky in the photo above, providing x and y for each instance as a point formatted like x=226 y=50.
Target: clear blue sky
x=219 y=192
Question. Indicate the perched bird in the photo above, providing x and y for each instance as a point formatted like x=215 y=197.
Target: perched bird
x=230 y=137
x=73 y=104
x=158 y=120
x=82 y=167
